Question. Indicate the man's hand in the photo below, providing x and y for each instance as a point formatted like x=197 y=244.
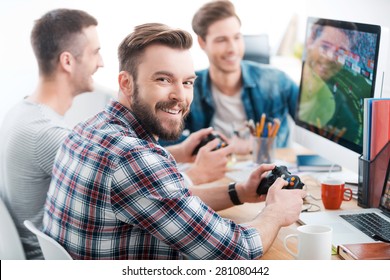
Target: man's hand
x=286 y=204
x=182 y=152
x=241 y=146
x=209 y=165
x=247 y=191
x=283 y=207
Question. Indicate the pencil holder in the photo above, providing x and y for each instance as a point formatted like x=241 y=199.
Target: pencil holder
x=263 y=149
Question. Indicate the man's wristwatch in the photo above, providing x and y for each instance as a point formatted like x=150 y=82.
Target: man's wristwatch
x=233 y=194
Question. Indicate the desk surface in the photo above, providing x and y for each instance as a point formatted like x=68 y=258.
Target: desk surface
x=246 y=212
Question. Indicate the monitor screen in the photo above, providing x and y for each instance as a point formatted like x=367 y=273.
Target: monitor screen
x=339 y=70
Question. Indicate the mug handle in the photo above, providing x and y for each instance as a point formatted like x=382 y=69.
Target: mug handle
x=285 y=244
x=350 y=194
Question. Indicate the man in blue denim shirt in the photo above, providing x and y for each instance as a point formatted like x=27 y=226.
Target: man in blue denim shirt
x=233 y=90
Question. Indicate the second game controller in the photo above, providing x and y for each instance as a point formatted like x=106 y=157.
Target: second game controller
x=207 y=139
x=294 y=182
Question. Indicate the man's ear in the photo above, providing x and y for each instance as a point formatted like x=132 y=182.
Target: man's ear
x=201 y=42
x=66 y=61
x=126 y=83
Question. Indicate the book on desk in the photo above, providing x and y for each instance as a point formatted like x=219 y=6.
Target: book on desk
x=315 y=163
x=365 y=251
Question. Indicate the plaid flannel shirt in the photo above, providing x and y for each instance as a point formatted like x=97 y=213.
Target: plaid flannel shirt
x=117 y=194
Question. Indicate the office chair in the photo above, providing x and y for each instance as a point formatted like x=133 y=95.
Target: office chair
x=51 y=249
x=10 y=245
x=257 y=48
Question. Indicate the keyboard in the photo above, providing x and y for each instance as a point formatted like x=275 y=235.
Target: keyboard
x=370 y=224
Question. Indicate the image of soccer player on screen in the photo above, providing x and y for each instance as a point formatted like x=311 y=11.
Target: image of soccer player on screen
x=334 y=83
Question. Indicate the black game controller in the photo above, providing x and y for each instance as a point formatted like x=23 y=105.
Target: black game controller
x=294 y=182
x=207 y=139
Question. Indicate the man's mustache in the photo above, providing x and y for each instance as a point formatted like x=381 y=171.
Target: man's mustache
x=183 y=106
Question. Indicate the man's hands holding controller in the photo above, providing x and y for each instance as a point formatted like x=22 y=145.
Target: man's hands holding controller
x=209 y=164
x=285 y=203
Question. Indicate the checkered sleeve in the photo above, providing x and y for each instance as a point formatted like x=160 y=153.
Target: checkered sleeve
x=148 y=192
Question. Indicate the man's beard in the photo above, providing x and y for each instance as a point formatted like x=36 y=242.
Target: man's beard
x=147 y=117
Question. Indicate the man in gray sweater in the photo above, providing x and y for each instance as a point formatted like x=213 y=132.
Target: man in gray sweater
x=66 y=46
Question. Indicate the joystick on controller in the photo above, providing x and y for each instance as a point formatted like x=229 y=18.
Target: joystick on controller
x=294 y=182
x=207 y=139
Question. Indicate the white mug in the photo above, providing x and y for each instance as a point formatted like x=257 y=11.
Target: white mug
x=314 y=242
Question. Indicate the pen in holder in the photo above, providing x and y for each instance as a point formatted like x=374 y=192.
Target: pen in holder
x=263 y=149
x=263 y=138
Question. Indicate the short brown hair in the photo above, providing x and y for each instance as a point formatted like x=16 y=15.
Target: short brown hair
x=348 y=30
x=56 y=32
x=133 y=46
x=210 y=13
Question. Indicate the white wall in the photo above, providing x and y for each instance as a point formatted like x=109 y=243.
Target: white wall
x=18 y=71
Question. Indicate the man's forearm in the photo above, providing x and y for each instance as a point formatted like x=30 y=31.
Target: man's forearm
x=215 y=197
x=268 y=226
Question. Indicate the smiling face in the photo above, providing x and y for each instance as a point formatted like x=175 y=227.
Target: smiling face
x=163 y=91
x=88 y=62
x=324 y=51
x=224 y=45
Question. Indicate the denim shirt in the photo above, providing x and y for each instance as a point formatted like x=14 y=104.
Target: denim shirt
x=265 y=90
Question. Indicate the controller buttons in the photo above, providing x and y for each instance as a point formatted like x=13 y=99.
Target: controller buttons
x=293 y=181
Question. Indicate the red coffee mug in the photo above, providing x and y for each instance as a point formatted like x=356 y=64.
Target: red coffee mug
x=332 y=193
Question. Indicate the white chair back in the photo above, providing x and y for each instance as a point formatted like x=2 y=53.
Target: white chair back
x=10 y=245
x=51 y=249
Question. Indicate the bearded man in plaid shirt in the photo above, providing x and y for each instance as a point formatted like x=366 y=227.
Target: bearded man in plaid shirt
x=117 y=194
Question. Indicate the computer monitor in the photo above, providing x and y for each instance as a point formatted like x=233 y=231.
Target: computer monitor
x=343 y=63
